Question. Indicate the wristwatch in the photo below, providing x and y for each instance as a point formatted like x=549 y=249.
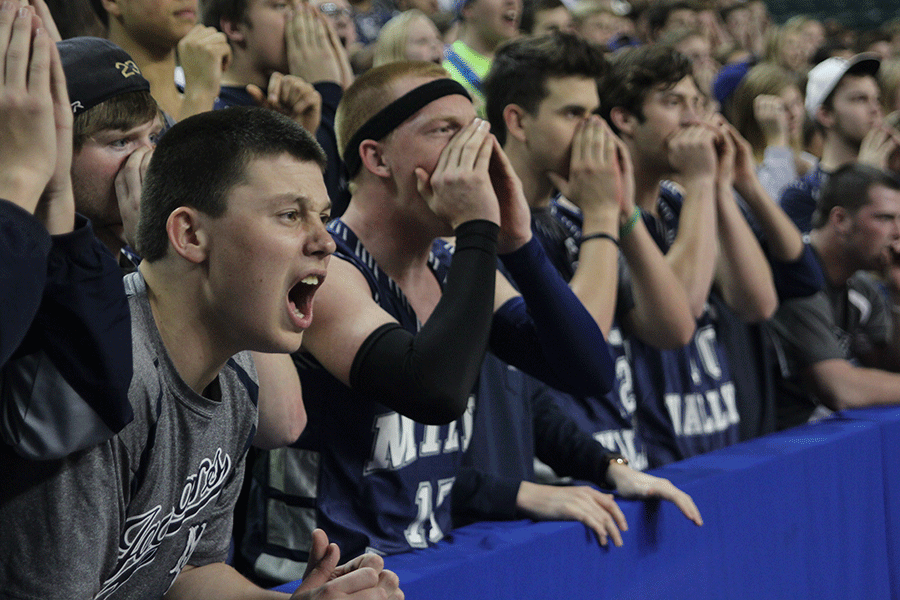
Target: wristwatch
x=614 y=459
x=617 y=459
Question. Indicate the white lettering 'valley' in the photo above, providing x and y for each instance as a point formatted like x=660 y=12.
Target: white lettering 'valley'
x=703 y=414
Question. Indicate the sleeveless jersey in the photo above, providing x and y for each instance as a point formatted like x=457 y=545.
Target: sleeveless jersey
x=687 y=398
x=608 y=418
x=372 y=479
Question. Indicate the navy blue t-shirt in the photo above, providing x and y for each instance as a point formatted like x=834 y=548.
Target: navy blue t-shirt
x=686 y=397
x=800 y=199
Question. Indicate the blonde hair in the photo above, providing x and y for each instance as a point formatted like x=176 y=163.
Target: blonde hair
x=586 y=8
x=763 y=79
x=372 y=91
x=391 y=43
x=776 y=37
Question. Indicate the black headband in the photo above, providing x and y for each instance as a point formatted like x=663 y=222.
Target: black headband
x=391 y=116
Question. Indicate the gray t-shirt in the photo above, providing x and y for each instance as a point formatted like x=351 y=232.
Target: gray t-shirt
x=122 y=519
x=839 y=322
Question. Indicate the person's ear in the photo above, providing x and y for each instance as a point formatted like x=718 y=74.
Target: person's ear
x=373 y=160
x=466 y=10
x=113 y=7
x=825 y=116
x=187 y=235
x=513 y=117
x=840 y=219
x=623 y=120
x=233 y=30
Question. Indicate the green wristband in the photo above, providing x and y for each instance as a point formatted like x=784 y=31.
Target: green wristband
x=631 y=224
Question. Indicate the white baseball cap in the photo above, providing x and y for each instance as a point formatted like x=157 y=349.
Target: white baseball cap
x=824 y=77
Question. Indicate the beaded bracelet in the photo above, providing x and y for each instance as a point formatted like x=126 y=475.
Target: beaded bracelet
x=630 y=225
x=598 y=236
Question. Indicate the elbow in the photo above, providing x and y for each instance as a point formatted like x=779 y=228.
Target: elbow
x=270 y=436
x=698 y=306
x=836 y=386
x=295 y=428
x=766 y=310
x=677 y=335
x=444 y=408
x=670 y=338
x=842 y=398
x=838 y=400
x=837 y=404
x=599 y=378
x=684 y=335
x=761 y=309
x=452 y=408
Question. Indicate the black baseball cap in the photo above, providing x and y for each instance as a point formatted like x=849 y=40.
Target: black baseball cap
x=97 y=70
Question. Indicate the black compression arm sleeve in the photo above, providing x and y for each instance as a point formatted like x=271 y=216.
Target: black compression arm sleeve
x=429 y=376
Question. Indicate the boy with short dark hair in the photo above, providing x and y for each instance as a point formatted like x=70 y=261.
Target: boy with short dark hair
x=227 y=267
x=541 y=100
x=285 y=56
x=649 y=97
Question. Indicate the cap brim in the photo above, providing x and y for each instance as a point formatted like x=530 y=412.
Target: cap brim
x=866 y=63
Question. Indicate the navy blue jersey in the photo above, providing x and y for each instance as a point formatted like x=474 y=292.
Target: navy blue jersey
x=800 y=199
x=370 y=477
x=687 y=402
x=609 y=418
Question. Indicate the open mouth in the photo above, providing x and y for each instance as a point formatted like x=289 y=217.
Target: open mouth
x=511 y=17
x=300 y=299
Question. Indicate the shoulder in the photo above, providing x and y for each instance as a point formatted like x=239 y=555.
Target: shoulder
x=148 y=356
x=241 y=377
x=867 y=292
x=804 y=314
x=867 y=282
x=806 y=186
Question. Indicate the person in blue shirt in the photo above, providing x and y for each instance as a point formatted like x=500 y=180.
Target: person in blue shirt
x=287 y=57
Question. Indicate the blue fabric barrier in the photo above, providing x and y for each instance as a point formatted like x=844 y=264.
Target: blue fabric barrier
x=889 y=420
x=813 y=512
